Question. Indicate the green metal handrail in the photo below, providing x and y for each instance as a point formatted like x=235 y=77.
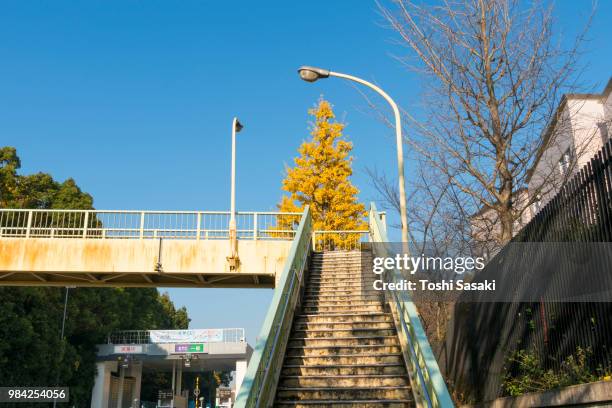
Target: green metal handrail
x=427 y=381
x=259 y=385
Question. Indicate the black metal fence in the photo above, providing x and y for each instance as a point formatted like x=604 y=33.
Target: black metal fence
x=482 y=338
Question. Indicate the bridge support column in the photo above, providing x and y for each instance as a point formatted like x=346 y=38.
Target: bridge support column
x=101 y=391
x=136 y=372
x=179 y=380
x=241 y=367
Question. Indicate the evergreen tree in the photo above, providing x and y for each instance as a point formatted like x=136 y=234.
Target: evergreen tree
x=31 y=350
x=321 y=178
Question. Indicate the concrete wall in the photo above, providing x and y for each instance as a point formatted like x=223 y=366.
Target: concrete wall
x=597 y=394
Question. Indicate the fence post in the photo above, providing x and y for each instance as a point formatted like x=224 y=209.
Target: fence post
x=142 y=218
x=86 y=224
x=29 y=225
x=255 y=226
x=314 y=241
x=198 y=221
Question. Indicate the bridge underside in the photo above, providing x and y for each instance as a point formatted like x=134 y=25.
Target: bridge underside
x=178 y=280
x=139 y=263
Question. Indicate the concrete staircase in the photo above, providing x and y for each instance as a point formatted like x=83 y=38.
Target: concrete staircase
x=344 y=350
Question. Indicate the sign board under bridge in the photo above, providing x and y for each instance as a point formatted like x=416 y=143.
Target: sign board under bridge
x=186 y=336
x=189 y=348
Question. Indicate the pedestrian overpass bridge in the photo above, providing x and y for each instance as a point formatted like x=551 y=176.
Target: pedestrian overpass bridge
x=142 y=248
x=190 y=249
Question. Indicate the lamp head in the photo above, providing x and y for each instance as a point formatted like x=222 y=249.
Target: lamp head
x=237 y=125
x=311 y=74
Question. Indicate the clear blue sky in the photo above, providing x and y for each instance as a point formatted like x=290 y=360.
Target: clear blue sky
x=134 y=99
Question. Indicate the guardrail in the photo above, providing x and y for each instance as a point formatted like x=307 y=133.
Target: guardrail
x=259 y=385
x=339 y=240
x=427 y=381
x=102 y=224
x=232 y=335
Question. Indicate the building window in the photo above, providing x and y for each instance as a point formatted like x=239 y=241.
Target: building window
x=566 y=160
x=603 y=131
x=537 y=205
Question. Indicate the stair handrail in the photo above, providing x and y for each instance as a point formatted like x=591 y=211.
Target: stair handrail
x=259 y=384
x=424 y=370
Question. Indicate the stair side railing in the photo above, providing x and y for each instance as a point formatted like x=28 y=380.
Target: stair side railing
x=427 y=381
x=259 y=385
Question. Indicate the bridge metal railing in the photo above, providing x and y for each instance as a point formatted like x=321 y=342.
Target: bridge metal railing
x=259 y=385
x=427 y=381
x=228 y=335
x=102 y=224
x=339 y=240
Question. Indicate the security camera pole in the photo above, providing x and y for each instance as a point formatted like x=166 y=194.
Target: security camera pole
x=311 y=74
x=233 y=259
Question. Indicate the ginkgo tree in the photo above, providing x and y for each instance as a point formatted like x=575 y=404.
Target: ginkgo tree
x=320 y=178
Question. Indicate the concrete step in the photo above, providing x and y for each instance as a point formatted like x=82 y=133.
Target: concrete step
x=335 y=268
x=346 y=404
x=349 y=317
x=341 y=287
x=343 y=272
x=313 y=351
x=344 y=299
x=343 y=333
x=333 y=263
x=335 y=280
x=340 y=275
x=345 y=359
x=341 y=326
x=310 y=295
x=343 y=381
x=344 y=290
x=358 y=296
x=346 y=303
x=338 y=261
x=347 y=369
x=340 y=393
x=340 y=284
x=343 y=269
x=358 y=339
x=301 y=341
x=337 y=253
x=342 y=309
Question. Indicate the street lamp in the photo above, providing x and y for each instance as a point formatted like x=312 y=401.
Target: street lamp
x=233 y=258
x=62 y=338
x=312 y=74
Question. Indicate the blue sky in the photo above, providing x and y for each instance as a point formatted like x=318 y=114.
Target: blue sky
x=134 y=99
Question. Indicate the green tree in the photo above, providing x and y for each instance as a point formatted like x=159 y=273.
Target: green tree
x=321 y=178
x=31 y=351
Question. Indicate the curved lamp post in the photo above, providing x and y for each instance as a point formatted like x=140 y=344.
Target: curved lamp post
x=311 y=74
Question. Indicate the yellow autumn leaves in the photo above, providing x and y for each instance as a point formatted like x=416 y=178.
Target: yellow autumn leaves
x=321 y=175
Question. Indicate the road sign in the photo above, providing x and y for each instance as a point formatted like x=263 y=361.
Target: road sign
x=189 y=348
x=126 y=349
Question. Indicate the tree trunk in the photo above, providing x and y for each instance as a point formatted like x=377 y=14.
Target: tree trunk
x=507 y=223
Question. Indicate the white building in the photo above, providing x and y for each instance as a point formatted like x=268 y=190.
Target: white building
x=583 y=123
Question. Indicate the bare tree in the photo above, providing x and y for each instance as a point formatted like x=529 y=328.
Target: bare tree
x=494 y=74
